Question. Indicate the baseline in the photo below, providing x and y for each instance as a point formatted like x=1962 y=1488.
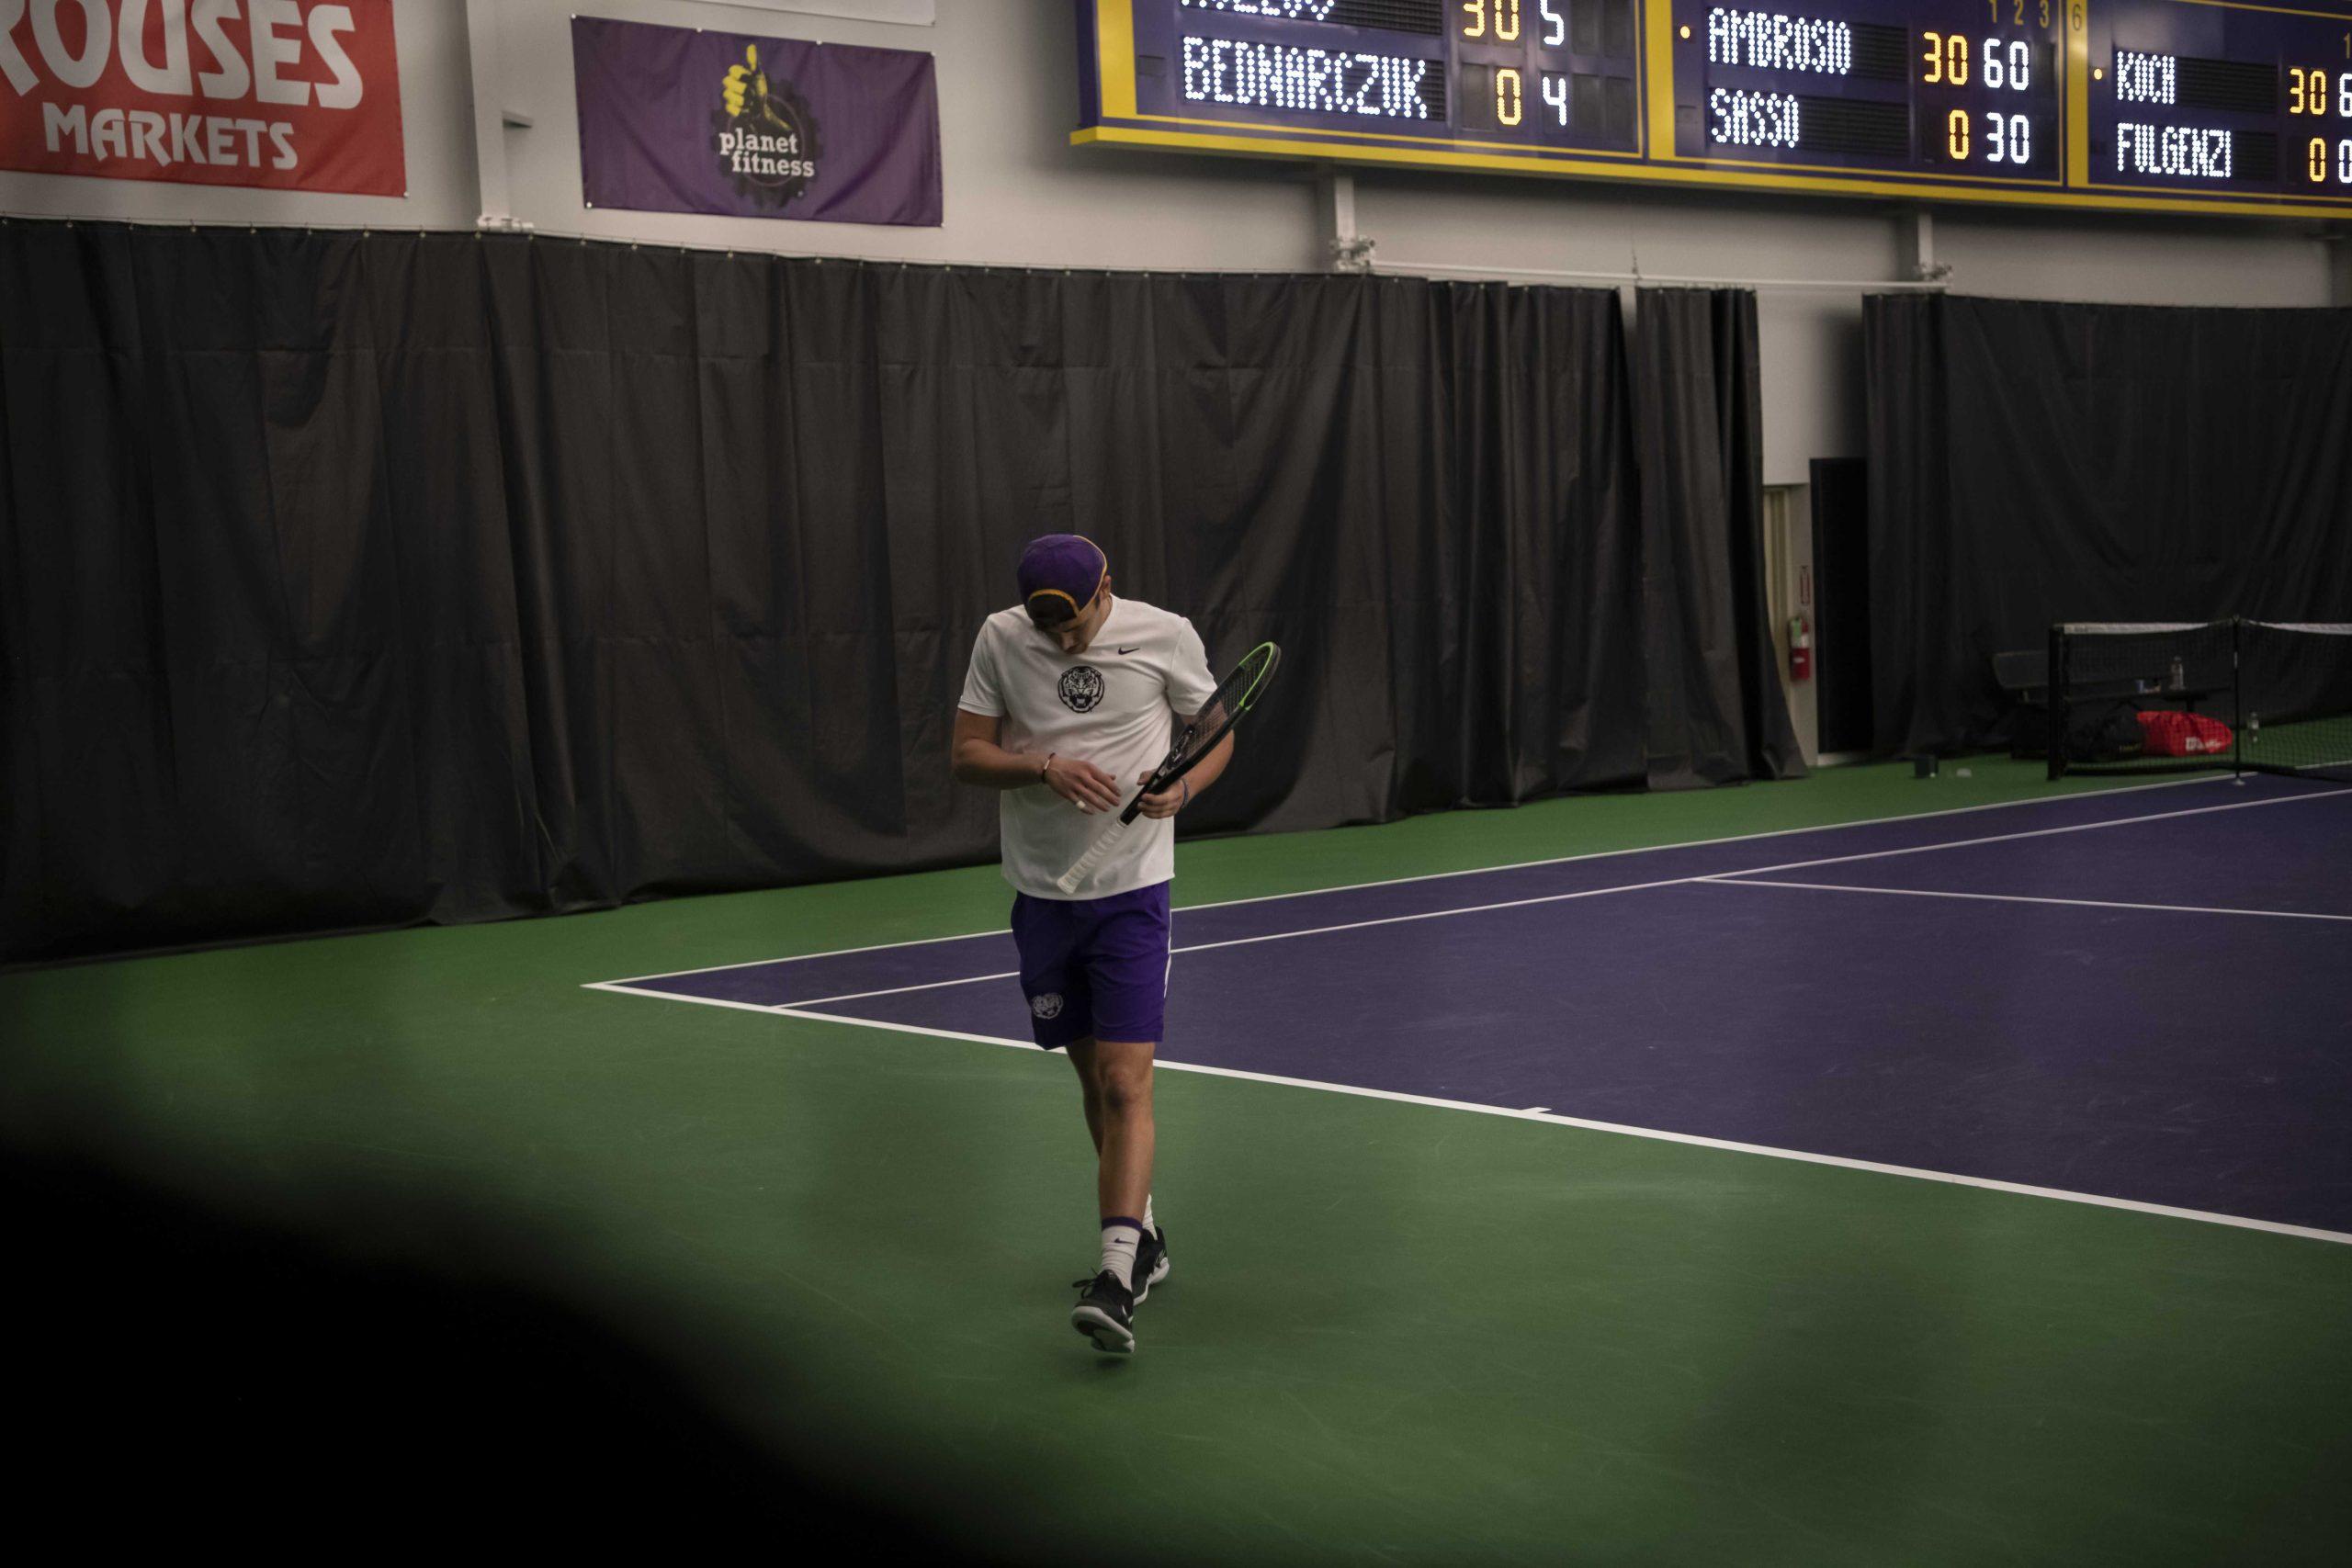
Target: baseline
x=2094 y=1199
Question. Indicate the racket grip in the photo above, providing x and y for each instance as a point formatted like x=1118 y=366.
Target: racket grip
x=1068 y=882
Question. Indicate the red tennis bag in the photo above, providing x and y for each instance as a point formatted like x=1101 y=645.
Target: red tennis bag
x=2165 y=733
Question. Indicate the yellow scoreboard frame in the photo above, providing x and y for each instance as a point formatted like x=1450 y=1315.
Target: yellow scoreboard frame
x=2083 y=37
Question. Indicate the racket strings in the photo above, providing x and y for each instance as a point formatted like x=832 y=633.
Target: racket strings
x=1226 y=704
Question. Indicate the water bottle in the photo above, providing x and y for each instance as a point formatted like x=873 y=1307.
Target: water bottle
x=2179 y=680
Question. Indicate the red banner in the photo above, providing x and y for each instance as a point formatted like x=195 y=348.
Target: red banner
x=288 y=95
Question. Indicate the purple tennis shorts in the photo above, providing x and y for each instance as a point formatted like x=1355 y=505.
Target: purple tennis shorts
x=1094 y=967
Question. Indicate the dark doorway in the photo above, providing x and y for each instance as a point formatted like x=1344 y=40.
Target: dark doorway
x=1841 y=572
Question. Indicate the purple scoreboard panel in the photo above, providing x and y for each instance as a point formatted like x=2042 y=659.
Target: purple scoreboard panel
x=2191 y=106
x=1389 y=78
x=1945 y=89
x=2199 y=99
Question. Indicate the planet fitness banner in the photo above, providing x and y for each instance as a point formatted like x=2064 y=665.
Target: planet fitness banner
x=289 y=94
x=676 y=120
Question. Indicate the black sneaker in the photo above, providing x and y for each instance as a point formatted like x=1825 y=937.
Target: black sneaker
x=1151 y=1263
x=1105 y=1314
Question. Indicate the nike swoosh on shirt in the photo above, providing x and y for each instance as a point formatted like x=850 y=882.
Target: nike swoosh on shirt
x=1130 y=649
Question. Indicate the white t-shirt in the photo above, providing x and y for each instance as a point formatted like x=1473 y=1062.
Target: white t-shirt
x=1114 y=705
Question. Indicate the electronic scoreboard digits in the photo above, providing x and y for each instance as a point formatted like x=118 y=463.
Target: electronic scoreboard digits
x=2204 y=106
x=1530 y=73
x=1346 y=65
x=1555 y=72
x=1960 y=89
x=2218 y=97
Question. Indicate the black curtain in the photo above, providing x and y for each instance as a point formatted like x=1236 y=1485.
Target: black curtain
x=1717 y=710
x=1521 y=652
x=2037 y=462
x=369 y=579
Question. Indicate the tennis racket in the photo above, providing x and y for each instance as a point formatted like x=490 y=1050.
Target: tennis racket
x=1233 y=697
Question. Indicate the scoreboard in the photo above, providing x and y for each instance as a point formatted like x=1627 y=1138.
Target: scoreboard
x=2196 y=106
x=2219 y=98
x=1925 y=90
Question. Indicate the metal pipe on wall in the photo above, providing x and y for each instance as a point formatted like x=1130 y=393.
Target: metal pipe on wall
x=1643 y=279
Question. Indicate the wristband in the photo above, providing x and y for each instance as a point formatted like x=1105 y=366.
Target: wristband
x=1045 y=767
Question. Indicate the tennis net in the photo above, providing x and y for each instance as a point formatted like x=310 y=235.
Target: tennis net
x=2264 y=696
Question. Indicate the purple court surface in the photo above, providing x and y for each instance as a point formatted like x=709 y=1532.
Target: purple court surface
x=2143 y=995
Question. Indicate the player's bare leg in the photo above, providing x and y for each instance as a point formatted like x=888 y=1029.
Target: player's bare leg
x=1115 y=1079
x=1122 y=1094
x=1082 y=1057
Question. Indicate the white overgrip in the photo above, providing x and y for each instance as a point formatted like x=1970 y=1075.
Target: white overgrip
x=1068 y=882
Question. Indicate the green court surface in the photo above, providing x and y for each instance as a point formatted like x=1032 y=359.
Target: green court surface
x=1395 y=1331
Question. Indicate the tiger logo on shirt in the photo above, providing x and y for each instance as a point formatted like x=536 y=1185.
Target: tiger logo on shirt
x=1082 y=688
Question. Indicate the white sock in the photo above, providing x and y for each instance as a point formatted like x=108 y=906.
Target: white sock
x=1150 y=1225
x=1120 y=1235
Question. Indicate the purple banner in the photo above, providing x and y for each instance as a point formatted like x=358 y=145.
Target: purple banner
x=676 y=120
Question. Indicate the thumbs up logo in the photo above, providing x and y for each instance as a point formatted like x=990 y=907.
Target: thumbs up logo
x=764 y=134
x=742 y=80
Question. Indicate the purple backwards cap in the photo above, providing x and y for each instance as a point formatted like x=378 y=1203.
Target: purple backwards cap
x=1060 y=574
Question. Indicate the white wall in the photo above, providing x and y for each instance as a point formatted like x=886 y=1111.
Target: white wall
x=2134 y=260
x=1018 y=193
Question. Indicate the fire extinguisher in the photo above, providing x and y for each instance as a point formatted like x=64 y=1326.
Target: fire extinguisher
x=1800 y=647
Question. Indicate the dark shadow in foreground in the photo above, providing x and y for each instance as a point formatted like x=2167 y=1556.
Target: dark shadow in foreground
x=181 y=1373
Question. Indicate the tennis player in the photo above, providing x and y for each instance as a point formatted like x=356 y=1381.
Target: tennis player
x=1070 y=702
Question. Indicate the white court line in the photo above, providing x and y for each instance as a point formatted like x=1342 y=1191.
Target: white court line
x=630 y=989
x=1694 y=1140
x=1277 y=936
x=2028 y=833
x=1727 y=876
x=1472 y=871
x=1717 y=877
x=927 y=986
x=1706 y=844
x=2022 y=898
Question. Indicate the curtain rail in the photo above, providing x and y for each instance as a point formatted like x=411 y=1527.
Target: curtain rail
x=1762 y=285
x=1384 y=268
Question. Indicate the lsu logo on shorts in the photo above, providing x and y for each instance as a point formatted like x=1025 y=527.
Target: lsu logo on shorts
x=1048 y=1005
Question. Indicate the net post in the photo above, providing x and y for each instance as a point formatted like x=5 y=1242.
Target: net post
x=2237 y=696
x=2054 y=686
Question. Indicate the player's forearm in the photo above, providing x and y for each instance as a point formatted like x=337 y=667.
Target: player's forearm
x=991 y=766
x=1205 y=772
